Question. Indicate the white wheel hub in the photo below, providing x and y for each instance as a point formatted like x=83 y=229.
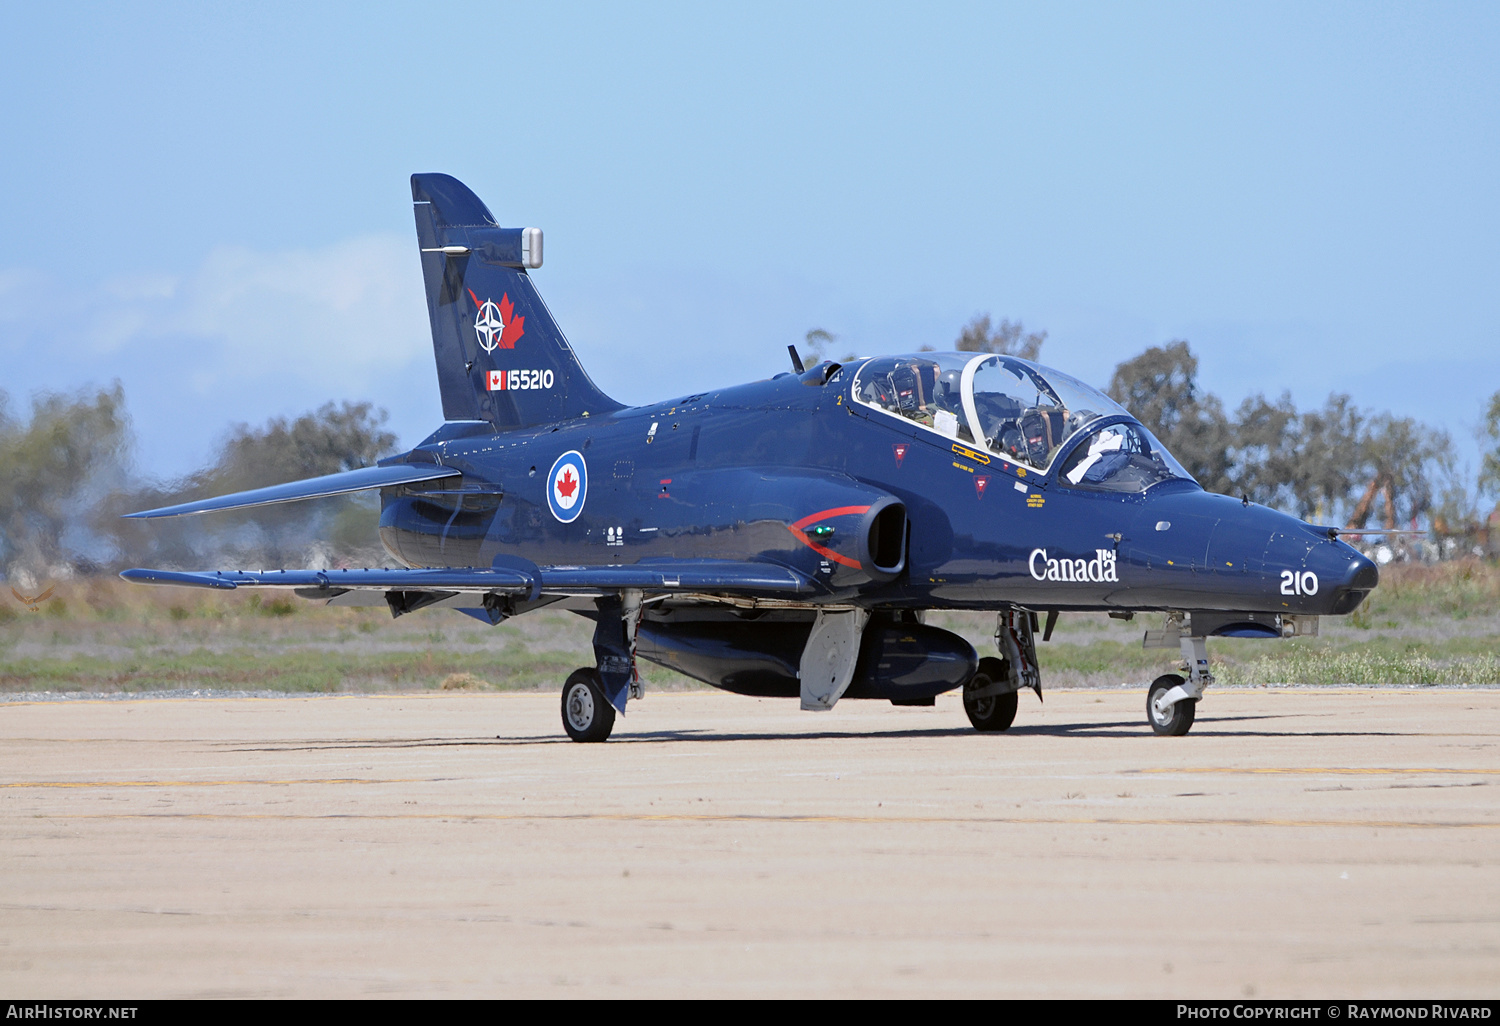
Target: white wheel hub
x=580 y=707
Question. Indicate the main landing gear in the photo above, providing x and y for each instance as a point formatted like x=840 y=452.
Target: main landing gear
x=990 y=695
x=586 y=713
x=592 y=694
x=987 y=707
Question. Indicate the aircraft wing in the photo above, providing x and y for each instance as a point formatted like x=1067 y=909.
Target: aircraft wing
x=515 y=578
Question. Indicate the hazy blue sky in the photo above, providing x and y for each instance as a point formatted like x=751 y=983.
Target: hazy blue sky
x=210 y=202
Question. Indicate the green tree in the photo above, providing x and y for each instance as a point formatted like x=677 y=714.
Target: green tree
x=1411 y=457
x=1262 y=452
x=1009 y=337
x=1330 y=457
x=1489 y=466
x=325 y=441
x=1160 y=387
x=1303 y=462
x=818 y=346
x=1319 y=464
x=53 y=469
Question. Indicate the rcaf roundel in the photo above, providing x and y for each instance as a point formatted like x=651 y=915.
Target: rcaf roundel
x=568 y=486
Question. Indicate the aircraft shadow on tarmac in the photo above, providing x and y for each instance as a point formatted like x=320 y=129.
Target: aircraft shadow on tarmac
x=1120 y=729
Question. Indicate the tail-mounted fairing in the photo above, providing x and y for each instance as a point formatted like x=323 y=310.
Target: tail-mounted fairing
x=500 y=356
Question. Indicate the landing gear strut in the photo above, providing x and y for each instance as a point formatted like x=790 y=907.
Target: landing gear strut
x=990 y=695
x=1172 y=701
x=592 y=696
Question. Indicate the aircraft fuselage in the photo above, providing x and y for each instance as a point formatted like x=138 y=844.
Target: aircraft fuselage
x=736 y=473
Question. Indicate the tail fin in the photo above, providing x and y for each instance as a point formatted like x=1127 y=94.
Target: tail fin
x=500 y=355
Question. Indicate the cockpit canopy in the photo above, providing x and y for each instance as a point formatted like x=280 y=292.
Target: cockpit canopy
x=1020 y=412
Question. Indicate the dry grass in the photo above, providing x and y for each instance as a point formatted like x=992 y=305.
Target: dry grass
x=465 y=682
x=1424 y=625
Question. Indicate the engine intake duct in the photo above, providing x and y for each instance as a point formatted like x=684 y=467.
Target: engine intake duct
x=884 y=529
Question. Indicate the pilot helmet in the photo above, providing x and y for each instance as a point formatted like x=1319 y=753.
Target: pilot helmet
x=949 y=391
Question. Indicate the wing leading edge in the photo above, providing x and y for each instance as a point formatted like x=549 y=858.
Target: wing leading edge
x=691 y=575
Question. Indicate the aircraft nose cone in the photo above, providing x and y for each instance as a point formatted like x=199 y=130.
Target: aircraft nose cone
x=1358 y=577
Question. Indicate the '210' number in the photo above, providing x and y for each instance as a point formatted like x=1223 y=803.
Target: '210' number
x=1305 y=583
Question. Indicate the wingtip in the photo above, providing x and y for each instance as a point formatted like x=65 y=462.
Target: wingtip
x=192 y=580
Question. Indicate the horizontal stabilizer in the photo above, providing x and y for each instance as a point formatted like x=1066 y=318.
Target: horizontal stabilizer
x=312 y=488
x=677 y=576
x=382 y=579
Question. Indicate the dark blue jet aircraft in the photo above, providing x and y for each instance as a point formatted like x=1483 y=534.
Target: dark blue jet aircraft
x=786 y=537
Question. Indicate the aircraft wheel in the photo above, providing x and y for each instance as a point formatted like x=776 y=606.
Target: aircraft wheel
x=1178 y=719
x=586 y=713
x=992 y=712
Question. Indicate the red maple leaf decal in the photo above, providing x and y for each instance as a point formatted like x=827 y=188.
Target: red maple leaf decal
x=567 y=486
x=515 y=326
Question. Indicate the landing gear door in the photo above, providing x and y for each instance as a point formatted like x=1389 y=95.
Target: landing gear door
x=828 y=661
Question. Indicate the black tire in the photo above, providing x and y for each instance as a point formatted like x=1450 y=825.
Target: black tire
x=586 y=713
x=1180 y=719
x=993 y=712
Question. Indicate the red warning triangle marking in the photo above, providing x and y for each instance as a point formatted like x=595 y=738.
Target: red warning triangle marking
x=900 y=450
x=981 y=482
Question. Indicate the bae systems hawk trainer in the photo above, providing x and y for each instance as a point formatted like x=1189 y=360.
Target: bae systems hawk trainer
x=786 y=537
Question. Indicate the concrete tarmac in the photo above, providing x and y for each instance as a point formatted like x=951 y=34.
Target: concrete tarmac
x=1299 y=843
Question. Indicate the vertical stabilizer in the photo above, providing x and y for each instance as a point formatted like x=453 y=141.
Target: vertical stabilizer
x=500 y=355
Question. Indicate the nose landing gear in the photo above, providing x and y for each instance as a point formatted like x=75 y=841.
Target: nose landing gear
x=1170 y=717
x=1172 y=701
